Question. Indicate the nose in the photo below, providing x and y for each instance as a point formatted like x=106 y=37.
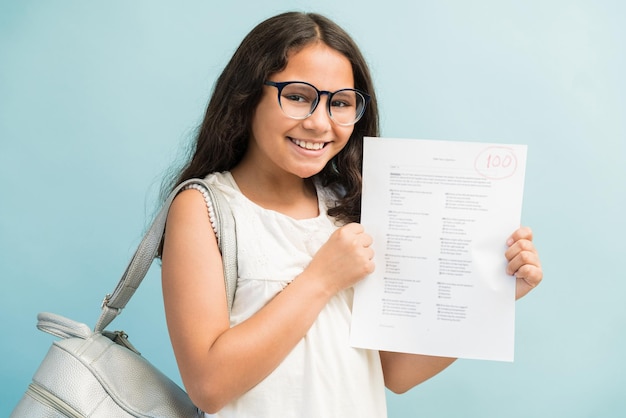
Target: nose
x=320 y=118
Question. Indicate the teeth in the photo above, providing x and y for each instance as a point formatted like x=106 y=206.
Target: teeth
x=308 y=145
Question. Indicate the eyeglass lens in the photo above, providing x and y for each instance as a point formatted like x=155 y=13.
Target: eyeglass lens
x=299 y=100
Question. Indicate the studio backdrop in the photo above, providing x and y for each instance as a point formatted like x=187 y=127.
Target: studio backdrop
x=99 y=100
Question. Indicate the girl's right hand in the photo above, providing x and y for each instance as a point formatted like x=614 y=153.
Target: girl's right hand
x=345 y=259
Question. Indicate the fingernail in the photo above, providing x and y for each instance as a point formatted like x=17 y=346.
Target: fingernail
x=509 y=242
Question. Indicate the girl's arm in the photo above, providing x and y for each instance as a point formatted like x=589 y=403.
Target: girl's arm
x=218 y=363
x=404 y=371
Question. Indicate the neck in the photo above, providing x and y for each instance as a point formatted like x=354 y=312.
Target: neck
x=290 y=195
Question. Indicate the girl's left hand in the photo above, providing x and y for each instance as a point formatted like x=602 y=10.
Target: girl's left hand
x=524 y=261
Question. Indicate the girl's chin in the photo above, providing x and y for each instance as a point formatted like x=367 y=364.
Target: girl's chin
x=307 y=172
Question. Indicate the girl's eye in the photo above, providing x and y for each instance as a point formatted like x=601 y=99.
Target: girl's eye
x=296 y=98
x=343 y=98
x=340 y=103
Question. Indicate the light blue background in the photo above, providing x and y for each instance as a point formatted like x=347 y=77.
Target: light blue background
x=97 y=99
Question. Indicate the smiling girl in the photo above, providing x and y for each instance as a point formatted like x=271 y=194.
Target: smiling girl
x=282 y=141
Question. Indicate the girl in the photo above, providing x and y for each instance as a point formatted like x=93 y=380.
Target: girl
x=282 y=140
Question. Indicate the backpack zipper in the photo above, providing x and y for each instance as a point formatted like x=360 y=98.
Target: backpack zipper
x=44 y=396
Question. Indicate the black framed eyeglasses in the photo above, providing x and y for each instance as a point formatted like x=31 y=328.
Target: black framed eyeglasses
x=299 y=99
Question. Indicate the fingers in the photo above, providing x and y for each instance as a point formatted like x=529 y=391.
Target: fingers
x=346 y=258
x=524 y=261
x=521 y=252
x=530 y=274
x=362 y=243
x=358 y=246
x=523 y=232
x=356 y=232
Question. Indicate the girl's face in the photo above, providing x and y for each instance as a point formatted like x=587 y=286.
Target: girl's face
x=280 y=145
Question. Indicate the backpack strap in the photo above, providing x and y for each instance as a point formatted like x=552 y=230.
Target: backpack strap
x=224 y=226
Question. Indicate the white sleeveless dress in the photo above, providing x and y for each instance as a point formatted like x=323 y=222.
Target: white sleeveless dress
x=323 y=376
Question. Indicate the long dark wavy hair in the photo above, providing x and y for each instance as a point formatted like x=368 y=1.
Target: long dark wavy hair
x=223 y=137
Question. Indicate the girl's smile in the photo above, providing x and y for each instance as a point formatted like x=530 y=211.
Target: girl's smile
x=309 y=145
